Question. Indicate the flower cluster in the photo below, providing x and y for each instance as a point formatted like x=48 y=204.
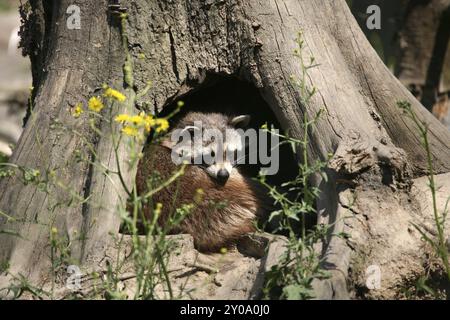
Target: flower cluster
x=133 y=124
x=96 y=104
x=114 y=94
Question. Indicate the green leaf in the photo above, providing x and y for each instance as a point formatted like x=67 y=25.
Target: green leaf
x=296 y=292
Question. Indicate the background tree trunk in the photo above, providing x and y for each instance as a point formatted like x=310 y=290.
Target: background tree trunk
x=184 y=42
x=413 y=42
x=424 y=37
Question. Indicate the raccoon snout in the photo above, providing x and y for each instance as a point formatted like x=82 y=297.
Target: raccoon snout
x=222 y=175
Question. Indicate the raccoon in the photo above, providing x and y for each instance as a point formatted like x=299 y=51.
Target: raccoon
x=230 y=201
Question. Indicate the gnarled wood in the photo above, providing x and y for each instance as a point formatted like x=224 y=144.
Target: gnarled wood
x=177 y=45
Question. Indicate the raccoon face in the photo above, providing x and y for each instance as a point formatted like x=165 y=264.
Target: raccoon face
x=217 y=145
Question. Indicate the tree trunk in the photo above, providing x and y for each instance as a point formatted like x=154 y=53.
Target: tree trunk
x=184 y=42
x=424 y=37
x=413 y=42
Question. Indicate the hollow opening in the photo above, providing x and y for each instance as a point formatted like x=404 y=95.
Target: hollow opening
x=232 y=97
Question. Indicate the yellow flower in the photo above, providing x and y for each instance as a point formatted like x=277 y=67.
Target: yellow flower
x=95 y=104
x=137 y=120
x=162 y=124
x=149 y=122
x=198 y=197
x=121 y=118
x=158 y=208
x=78 y=110
x=130 y=131
x=111 y=93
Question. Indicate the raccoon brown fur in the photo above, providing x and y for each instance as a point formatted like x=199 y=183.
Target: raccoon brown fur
x=221 y=215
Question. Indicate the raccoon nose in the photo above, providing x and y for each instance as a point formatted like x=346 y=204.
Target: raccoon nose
x=222 y=175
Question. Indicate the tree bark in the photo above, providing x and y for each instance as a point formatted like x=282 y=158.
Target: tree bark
x=68 y=66
x=184 y=42
x=424 y=39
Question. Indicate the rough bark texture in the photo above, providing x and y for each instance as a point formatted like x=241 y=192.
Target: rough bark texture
x=67 y=67
x=183 y=42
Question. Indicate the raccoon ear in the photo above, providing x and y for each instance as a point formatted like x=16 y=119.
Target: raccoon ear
x=241 y=121
x=190 y=129
x=169 y=143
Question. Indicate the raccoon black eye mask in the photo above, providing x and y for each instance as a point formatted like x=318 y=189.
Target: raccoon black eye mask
x=211 y=141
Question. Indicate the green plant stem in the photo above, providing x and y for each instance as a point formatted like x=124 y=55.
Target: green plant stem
x=441 y=246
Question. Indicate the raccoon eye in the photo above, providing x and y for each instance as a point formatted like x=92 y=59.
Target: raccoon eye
x=213 y=154
x=204 y=161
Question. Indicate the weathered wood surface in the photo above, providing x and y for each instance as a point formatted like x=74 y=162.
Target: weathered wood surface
x=177 y=44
